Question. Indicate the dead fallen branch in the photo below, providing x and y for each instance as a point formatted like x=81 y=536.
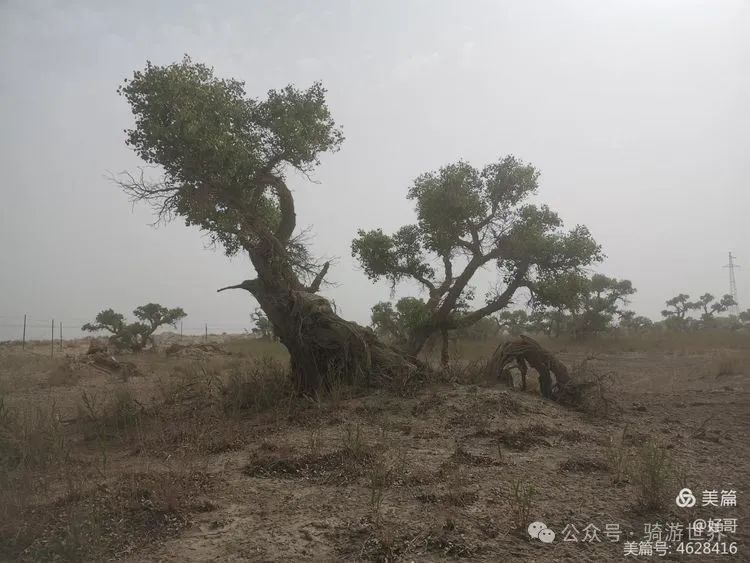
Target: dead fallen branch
x=523 y=352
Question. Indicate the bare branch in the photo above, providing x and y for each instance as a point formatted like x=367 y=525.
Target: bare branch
x=247 y=285
x=314 y=287
x=160 y=195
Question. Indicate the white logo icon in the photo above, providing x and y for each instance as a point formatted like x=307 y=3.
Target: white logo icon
x=540 y=531
x=685 y=498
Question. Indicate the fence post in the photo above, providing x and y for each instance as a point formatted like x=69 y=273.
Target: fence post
x=23 y=342
x=61 y=335
x=180 y=330
x=206 y=337
x=52 y=340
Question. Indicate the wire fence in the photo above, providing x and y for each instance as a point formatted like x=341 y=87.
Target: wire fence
x=33 y=330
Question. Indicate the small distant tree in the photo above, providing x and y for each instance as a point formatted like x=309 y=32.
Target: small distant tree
x=676 y=315
x=744 y=318
x=469 y=219
x=395 y=324
x=635 y=324
x=551 y=321
x=483 y=329
x=263 y=327
x=710 y=307
x=135 y=336
x=515 y=322
x=585 y=305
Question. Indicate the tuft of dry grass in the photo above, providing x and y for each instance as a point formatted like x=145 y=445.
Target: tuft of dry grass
x=521 y=497
x=63 y=374
x=257 y=386
x=114 y=416
x=654 y=476
x=592 y=391
x=107 y=521
x=618 y=458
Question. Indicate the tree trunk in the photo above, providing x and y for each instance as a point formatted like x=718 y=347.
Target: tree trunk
x=323 y=347
x=418 y=339
x=444 y=357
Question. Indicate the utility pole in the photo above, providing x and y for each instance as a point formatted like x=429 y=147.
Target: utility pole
x=735 y=309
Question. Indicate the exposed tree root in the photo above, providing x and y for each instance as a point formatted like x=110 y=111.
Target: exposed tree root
x=326 y=349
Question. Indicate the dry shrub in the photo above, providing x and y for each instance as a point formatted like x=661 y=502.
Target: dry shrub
x=195 y=384
x=385 y=469
x=108 y=521
x=30 y=437
x=353 y=441
x=521 y=497
x=31 y=441
x=457 y=483
x=618 y=458
x=463 y=372
x=591 y=391
x=257 y=387
x=113 y=417
x=64 y=373
x=654 y=475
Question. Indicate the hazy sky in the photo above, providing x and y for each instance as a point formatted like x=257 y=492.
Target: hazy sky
x=637 y=113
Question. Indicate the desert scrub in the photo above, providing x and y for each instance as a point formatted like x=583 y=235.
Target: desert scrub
x=654 y=475
x=618 y=458
x=30 y=437
x=111 y=418
x=521 y=497
x=257 y=387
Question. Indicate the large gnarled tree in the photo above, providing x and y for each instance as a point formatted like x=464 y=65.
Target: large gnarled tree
x=469 y=219
x=224 y=158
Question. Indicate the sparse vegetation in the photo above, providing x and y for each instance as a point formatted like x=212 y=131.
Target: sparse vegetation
x=654 y=475
x=156 y=446
x=135 y=336
x=521 y=496
x=618 y=457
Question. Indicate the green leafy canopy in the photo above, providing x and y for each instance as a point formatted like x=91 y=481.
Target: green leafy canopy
x=223 y=153
x=475 y=217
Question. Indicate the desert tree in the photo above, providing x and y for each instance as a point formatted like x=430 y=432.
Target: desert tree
x=396 y=323
x=634 y=324
x=135 y=336
x=709 y=307
x=550 y=321
x=224 y=158
x=592 y=304
x=262 y=327
x=514 y=322
x=676 y=315
x=744 y=318
x=467 y=220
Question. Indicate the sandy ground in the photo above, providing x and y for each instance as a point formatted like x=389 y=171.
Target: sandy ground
x=380 y=477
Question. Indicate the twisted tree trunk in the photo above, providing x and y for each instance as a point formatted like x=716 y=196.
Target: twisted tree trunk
x=526 y=351
x=323 y=347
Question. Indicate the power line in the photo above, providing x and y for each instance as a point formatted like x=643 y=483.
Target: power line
x=734 y=309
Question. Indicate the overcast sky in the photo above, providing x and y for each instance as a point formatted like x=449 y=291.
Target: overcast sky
x=636 y=112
